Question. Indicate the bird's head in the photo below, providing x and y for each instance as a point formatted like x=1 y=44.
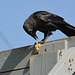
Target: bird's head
x=31 y=32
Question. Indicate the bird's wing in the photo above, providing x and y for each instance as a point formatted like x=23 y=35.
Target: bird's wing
x=58 y=22
x=48 y=17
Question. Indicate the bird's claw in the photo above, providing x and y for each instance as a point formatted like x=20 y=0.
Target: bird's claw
x=37 y=46
x=41 y=42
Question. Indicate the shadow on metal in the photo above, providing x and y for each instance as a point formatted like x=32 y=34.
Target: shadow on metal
x=15 y=57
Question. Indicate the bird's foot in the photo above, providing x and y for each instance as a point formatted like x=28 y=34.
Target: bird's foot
x=37 y=46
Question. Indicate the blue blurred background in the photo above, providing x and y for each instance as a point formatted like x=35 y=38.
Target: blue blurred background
x=13 y=13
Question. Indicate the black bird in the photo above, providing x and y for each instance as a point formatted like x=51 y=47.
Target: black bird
x=46 y=22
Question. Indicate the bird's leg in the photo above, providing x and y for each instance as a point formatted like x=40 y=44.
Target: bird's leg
x=38 y=44
x=45 y=37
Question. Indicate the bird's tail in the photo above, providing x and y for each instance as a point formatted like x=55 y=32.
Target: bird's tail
x=66 y=28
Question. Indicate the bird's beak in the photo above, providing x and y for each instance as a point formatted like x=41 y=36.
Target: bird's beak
x=33 y=34
x=35 y=37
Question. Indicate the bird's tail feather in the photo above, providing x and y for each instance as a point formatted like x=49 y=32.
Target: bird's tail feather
x=66 y=28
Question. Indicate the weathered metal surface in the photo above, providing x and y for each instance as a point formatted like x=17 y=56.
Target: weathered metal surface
x=71 y=42
x=19 y=72
x=57 y=45
x=52 y=46
x=66 y=66
x=15 y=59
x=41 y=64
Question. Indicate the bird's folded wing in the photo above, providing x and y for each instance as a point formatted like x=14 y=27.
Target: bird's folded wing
x=48 y=17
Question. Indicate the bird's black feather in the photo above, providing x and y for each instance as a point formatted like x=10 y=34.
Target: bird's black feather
x=47 y=17
x=47 y=22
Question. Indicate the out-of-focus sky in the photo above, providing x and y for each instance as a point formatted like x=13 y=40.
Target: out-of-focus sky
x=13 y=13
